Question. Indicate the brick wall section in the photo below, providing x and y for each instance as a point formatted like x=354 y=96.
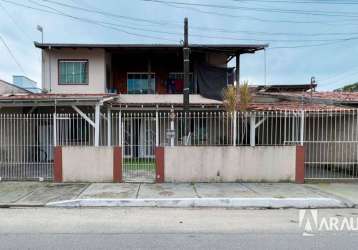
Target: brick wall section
x=300 y=165
x=57 y=171
x=159 y=163
x=117 y=164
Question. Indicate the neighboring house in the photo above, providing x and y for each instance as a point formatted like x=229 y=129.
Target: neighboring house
x=7 y=88
x=26 y=83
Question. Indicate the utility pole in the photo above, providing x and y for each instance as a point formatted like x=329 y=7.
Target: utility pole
x=186 y=52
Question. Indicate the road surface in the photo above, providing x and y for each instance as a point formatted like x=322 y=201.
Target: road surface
x=150 y=228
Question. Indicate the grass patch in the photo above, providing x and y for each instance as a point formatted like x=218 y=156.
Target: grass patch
x=139 y=164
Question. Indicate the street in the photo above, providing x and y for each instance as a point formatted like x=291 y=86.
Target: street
x=158 y=228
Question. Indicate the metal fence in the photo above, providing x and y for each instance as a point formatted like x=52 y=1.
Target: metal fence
x=26 y=146
x=27 y=140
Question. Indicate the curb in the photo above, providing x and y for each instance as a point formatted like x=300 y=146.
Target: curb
x=242 y=203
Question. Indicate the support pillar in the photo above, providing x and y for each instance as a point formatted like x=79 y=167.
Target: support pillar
x=237 y=75
x=57 y=166
x=117 y=164
x=300 y=165
x=159 y=163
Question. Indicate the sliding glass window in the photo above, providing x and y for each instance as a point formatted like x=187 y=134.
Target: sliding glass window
x=73 y=72
x=141 y=83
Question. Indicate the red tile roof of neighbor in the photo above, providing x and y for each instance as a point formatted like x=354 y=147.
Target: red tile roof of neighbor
x=274 y=106
x=295 y=106
x=333 y=96
x=35 y=97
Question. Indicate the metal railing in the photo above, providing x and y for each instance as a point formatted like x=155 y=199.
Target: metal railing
x=330 y=138
x=26 y=146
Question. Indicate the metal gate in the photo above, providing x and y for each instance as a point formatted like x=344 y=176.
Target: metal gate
x=138 y=133
x=331 y=145
x=26 y=146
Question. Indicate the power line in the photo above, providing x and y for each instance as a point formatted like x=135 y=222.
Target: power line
x=106 y=14
x=86 y=20
x=15 y=22
x=298 y=2
x=196 y=27
x=114 y=26
x=208 y=36
x=264 y=20
x=258 y=9
x=165 y=22
x=12 y=55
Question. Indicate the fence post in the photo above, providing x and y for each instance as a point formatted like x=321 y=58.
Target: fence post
x=156 y=128
x=120 y=129
x=96 y=128
x=252 y=129
x=302 y=127
x=109 y=127
x=234 y=134
x=55 y=129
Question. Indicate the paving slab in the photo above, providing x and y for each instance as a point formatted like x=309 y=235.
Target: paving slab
x=167 y=190
x=282 y=190
x=348 y=191
x=222 y=190
x=51 y=192
x=12 y=191
x=111 y=191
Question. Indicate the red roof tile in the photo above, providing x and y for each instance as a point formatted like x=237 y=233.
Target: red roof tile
x=334 y=96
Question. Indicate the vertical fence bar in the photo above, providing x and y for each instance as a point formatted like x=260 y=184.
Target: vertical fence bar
x=156 y=128
x=97 y=120
x=252 y=129
x=109 y=128
x=234 y=134
x=302 y=127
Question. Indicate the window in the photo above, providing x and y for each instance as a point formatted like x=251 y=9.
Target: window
x=73 y=71
x=141 y=83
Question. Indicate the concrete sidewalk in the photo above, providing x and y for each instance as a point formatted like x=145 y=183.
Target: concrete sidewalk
x=231 y=195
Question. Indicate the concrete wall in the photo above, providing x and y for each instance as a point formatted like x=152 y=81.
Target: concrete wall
x=96 y=70
x=87 y=164
x=230 y=164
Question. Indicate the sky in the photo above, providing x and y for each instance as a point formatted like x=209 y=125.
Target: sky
x=306 y=37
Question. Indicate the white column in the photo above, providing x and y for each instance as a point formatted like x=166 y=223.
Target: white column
x=234 y=132
x=109 y=127
x=96 y=128
x=172 y=129
x=156 y=129
x=252 y=129
x=302 y=127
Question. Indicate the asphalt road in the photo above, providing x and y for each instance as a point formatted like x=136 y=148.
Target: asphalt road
x=144 y=228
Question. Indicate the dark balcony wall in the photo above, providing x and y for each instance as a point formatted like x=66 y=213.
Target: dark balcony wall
x=160 y=64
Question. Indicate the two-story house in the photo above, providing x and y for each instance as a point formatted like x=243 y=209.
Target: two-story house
x=140 y=72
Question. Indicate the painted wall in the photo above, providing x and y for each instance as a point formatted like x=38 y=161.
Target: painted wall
x=87 y=164
x=96 y=70
x=6 y=88
x=230 y=164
